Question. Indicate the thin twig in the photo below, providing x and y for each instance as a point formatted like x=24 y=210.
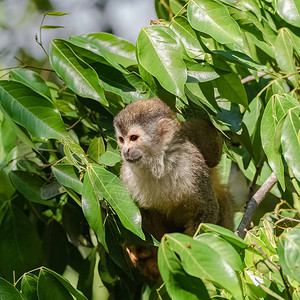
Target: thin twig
x=252 y=77
x=73 y=125
x=257 y=173
x=253 y=203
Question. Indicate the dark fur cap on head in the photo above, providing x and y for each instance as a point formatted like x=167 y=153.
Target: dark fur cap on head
x=142 y=112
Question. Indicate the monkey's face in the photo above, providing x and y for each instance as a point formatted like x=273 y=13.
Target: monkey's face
x=135 y=144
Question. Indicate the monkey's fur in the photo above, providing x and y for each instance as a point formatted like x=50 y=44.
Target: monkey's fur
x=168 y=169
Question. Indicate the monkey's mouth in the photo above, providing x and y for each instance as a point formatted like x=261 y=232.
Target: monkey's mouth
x=134 y=160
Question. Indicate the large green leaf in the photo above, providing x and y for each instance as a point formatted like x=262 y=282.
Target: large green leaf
x=201 y=260
x=111 y=188
x=179 y=284
x=275 y=110
x=231 y=88
x=50 y=288
x=66 y=175
x=290 y=140
x=32 y=111
x=289 y=253
x=284 y=55
x=91 y=207
x=29 y=286
x=32 y=80
x=111 y=155
x=20 y=246
x=29 y=185
x=188 y=37
x=160 y=54
x=8 y=291
x=213 y=18
x=289 y=10
x=80 y=77
x=114 y=49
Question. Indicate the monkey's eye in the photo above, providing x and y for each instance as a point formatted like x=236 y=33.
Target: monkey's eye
x=121 y=140
x=134 y=137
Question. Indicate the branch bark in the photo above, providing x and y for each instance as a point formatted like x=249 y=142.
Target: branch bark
x=253 y=203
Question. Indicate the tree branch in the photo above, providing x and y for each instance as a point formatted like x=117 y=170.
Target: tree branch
x=253 y=203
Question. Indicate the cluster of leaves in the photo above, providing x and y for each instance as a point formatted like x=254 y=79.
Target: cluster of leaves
x=60 y=162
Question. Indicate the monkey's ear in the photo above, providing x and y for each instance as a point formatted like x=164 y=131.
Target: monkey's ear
x=166 y=128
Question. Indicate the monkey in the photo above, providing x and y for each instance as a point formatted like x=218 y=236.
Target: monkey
x=169 y=169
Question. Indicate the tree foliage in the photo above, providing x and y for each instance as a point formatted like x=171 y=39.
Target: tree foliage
x=235 y=63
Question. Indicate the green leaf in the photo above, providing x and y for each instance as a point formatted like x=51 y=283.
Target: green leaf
x=290 y=140
x=66 y=175
x=252 y=116
x=51 y=27
x=96 y=148
x=29 y=286
x=115 y=50
x=212 y=18
x=6 y=187
x=160 y=54
x=91 y=207
x=29 y=185
x=111 y=155
x=276 y=109
x=29 y=109
x=50 y=288
x=78 y=75
x=225 y=234
x=284 y=55
x=188 y=37
x=201 y=72
x=200 y=260
x=241 y=59
x=289 y=253
x=32 y=80
x=76 y=293
x=21 y=249
x=179 y=284
x=231 y=88
x=223 y=248
x=56 y=14
x=111 y=188
x=8 y=291
x=289 y=10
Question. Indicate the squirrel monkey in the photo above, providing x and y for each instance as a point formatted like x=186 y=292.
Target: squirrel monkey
x=168 y=169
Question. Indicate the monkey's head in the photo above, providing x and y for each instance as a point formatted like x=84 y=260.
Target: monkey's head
x=144 y=129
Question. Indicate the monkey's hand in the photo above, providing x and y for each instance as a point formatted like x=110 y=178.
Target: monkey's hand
x=144 y=258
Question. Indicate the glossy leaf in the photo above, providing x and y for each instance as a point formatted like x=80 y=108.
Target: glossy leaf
x=284 y=55
x=50 y=288
x=29 y=109
x=188 y=37
x=179 y=284
x=201 y=72
x=289 y=10
x=111 y=188
x=21 y=249
x=231 y=88
x=96 y=148
x=66 y=175
x=223 y=248
x=290 y=140
x=29 y=286
x=276 y=109
x=200 y=260
x=91 y=207
x=31 y=79
x=225 y=234
x=114 y=49
x=111 y=155
x=212 y=18
x=8 y=291
x=77 y=75
x=64 y=282
x=160 y=54
x=289 y=253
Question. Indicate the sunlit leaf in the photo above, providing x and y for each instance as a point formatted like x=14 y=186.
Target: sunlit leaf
x=77 y=75
x=29 y=109
x=213 y=18
x=289 y=10
x=160 y=54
